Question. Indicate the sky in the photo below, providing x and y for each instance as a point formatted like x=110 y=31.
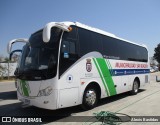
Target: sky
x=136 y=20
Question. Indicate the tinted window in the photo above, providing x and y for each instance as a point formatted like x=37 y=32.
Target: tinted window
x=118 y=49
x=68 y=53
x=89 y=41
x=111 y=48
x=72 y=48
x=72 y=34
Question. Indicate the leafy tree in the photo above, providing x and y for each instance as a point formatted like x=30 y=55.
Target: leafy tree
x=152 y=61
x=157 y=53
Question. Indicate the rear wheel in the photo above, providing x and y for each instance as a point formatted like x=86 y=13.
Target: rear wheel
x=90 y=98
x=135 y=87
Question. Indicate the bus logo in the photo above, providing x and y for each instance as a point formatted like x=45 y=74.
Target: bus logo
x=88 y=65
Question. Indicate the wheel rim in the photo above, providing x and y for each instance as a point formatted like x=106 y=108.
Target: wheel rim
x=135 y=86
x=90 y=97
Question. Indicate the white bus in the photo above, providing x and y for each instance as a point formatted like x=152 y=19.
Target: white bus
x=69 y=63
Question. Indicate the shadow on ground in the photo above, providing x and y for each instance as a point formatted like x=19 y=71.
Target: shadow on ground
x=117 y=97
x=8 y=95
x=48 y=116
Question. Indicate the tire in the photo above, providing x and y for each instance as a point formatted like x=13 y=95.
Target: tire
x=135 y=87
x=90 y=98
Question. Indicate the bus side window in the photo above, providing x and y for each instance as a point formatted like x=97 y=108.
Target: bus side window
x=68 y=55
x=68 y=48
x=65 y=49
x=72 y=48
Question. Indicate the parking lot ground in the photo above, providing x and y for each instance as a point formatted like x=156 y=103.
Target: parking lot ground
x=145 y=103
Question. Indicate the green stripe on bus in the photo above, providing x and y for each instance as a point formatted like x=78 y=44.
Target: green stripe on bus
x=24 y=88
x=109 y=67
x=21 y=87
x=101 y=77
x=107 y=76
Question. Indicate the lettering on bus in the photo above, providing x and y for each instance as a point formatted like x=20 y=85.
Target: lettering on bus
x=130 y=65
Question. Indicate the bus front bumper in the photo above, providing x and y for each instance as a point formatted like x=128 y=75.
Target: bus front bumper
x=45 y=102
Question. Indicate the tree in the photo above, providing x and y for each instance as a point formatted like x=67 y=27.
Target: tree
x=157 y=53
x=152 y=61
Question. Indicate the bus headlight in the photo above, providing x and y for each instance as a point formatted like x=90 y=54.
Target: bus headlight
x=45 y=92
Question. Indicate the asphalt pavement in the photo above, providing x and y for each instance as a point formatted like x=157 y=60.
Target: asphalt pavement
x=145 y=103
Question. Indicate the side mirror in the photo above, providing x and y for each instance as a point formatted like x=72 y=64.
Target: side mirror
x=11 y=54
x=9 y=46
x=47 y=30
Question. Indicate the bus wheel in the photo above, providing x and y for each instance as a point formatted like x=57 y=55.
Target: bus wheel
x=135 y=87
x=90 y=98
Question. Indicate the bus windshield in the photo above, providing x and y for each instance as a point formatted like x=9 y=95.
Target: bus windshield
x=39 y=59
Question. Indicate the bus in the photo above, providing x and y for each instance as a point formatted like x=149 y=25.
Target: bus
x=68 y=63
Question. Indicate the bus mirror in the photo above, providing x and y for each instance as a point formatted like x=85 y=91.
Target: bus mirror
x=47 y=30
x=9 y=46
x=11 y=54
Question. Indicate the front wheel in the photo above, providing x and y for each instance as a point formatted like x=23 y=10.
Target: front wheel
x=135 y=88
x=90 y=98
